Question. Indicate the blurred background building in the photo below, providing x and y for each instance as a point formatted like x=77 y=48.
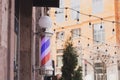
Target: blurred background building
x=94 y=28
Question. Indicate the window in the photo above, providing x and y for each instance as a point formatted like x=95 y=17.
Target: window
x=99 y=33
x=76 y=33
x=100 y=71
x=59 y=50
x=60 y=36
x=75 y=4
x=97 y=6
x=60 y=17
x=59 y=61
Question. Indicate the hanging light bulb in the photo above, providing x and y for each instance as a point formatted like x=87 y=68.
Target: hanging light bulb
x=79 y=41
x=77 y=16
x=106 y=50
x=88 y=45
x=54 y=30
x=55 y=12
x=113 y=31
x=101 y=26
x=78 y=20
x=62 y=27
x=89 y=23
x=115 y=52
x=66 y=14
x=112 y=61
x=97 y=47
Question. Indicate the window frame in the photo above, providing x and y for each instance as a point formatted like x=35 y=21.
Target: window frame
x=76 y=33
x=75 y=7
x=98 y=34
x=97 y=7
x=60 y=16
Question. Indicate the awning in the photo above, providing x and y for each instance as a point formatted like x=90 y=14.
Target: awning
x=46 y=3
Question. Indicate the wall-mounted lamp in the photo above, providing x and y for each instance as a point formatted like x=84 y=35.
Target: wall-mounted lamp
x=45 y=24
x=45 y=32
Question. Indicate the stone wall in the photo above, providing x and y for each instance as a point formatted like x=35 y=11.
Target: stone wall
x=3 y=65
x=25 y=21
x=3 y=38
x=6 y=39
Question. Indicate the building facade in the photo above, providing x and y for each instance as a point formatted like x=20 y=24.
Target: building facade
x=94 y=29
x=6 y=39
x=17 y=39
x=9 y=42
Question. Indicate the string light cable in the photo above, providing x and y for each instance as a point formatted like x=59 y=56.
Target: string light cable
x=102 y=19
x=89 y=15
x=103 y=43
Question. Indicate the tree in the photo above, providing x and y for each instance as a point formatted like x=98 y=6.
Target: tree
x=70 y=62
x=78 y=74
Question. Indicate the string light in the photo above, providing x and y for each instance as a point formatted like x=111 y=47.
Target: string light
x=101 y=26
x=90 y=24
x=97 y=47
x=113 y=30
x=115 y=52
x=106 y=50
x=92 y=39
x=66 y=14
x=54 y=30
x=89 y=15
x=112 y=61
x=88 y=44
x=78 y=16
x=62 y=27
x=97 y=41
x=85 y=48
x=79 y=41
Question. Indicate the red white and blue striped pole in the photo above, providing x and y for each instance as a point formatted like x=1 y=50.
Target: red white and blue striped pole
x=45 y=50
x=46 y=62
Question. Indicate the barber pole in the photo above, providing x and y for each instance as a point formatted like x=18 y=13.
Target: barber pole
x=45 y=60
x=45 y=50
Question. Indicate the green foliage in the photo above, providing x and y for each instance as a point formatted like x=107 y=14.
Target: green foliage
x=70 y=62
x=78 y=74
